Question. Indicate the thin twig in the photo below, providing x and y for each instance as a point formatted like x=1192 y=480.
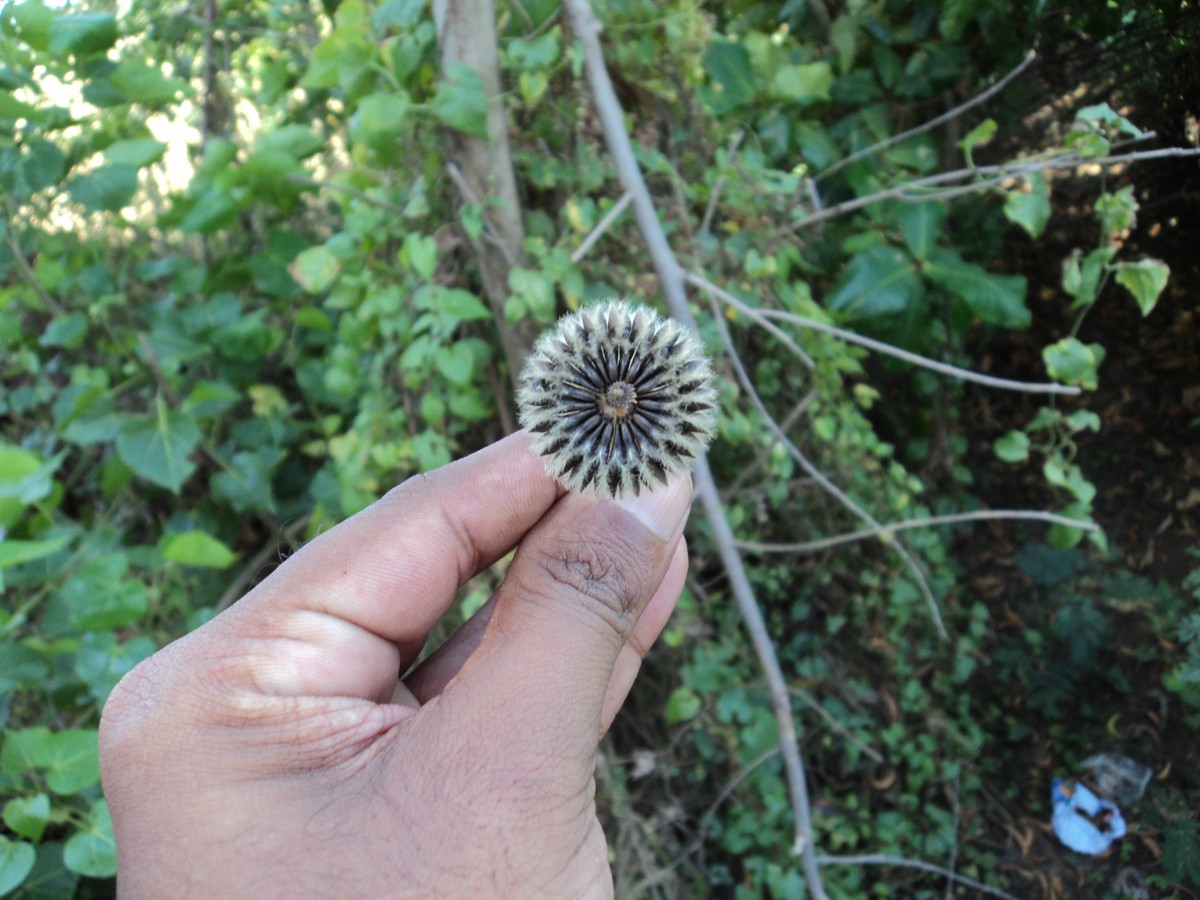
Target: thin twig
x=305 y=181
x=788 y=421
x=949 y=893
x=991 y=175
x=823 y=480
x=489 y=233
x=757 y=316
x=583 y=23
x=602 y=226
x=932 y=123
x=27 y=274
x=851 y=337
x=878 y=859
x=886 y=532
x=811 y=703
x=715 y=197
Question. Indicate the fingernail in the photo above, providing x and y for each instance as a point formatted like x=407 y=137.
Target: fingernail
x=663 y=511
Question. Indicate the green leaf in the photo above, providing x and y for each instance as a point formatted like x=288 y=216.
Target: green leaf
x=683 y=705
x=419 y=251
x=16 y=862
x=158 y=448
x=978 y=136
x=101 y=661
x=1117 y=211
x=727 y=65
x=20 y=667
x=804 y=84
x=1029 y=208
x=921 y=225
x=71 y=760
x=11 y=108
x=1083 y=420
x=21 y=749
x=315 y=269
x=93 y=850
x=66 y=331
x=99 y=596
x=1181 y=851
x=459 y=304
x=533 y=53
x=50 y=878
x=1064 y=537
x=843 y=35
x=1070 y=361
x=397 y=14
x=461 y=102
x=142 y=82
x=379 y=120
x=213 y=210
x=83 y=33
x=297 y=141
x=1013 y=447
x=30 y=22
x=997 y=299
x=105 y=189
x=533 y=86
x=198 y=548
x=245 y=483
x=1103 y=114
x=535 y=291
x=42 y=164
x=1081 y=279
x=138 y=152
x=17 y=467
x=13 y=552
x=1145 y=279
x=27 y=816
x=456 y=362
x=879 y=281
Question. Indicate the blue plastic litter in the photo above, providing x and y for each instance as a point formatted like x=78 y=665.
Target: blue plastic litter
x=1083 y=821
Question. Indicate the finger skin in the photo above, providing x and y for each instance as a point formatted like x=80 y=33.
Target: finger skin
x=260 y=754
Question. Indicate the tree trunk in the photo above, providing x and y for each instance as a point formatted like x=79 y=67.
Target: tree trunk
x=482 y=169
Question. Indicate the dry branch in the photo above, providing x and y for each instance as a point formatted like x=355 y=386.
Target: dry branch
x=885 y=532
x=466 y=32
x=583 y=23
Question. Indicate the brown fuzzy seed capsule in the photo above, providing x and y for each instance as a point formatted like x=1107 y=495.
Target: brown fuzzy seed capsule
x=618 y=398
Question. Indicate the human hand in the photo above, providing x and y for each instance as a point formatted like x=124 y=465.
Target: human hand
x=273 y=753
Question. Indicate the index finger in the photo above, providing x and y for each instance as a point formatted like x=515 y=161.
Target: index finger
x=393 y=568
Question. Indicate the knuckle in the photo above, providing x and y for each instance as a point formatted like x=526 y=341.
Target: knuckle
x=604 y=572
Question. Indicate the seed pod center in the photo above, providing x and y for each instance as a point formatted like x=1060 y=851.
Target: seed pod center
x=618 y=400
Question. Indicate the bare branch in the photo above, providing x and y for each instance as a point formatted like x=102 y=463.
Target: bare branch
x=755 y=315
x=881 y=860
x=715 y=197
x=886 y=532
x=583 y=23
x=820 y=477
x=932 y=123
x=811 y=702
x=914 y=191
x=1007 y=384
x=489 y=233
x=26 y=271
x=602 y=226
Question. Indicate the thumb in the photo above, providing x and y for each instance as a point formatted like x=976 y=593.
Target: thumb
x=568 y=605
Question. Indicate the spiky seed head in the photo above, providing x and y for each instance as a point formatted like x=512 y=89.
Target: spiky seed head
x=618 y=398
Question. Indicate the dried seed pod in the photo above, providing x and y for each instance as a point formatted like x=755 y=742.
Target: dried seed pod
x=618 y=398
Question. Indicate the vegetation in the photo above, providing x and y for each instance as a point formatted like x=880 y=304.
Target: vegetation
x=249 y=280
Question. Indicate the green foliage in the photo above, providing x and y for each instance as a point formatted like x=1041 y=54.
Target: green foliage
x=240 y=306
